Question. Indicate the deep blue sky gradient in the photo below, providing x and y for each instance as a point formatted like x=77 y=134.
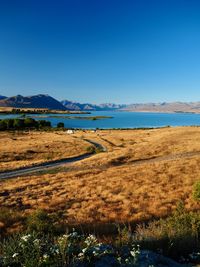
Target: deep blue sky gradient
x=122 y=51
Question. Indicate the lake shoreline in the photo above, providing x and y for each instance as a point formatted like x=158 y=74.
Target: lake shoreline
x=120 y=120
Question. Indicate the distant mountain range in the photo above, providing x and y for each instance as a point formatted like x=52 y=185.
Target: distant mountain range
x=2 y=97
x=89 y=107
x=176 y=107
x=46 y=101
x=36 y=101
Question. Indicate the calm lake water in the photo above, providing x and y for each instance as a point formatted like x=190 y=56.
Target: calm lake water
x=121 y=120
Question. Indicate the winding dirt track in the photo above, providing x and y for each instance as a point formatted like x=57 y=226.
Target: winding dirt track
x=50 y=164
x=56 y=163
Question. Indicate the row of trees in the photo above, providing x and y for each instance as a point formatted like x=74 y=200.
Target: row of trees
x=28 y=111
x=20 y=124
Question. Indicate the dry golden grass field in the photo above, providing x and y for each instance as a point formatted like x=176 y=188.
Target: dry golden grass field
x=143 y=175
x=19 y=149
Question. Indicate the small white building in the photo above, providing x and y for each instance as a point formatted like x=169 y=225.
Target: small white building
x=70 y=131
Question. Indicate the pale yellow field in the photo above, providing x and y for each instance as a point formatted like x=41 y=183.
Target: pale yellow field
x=27 y=148
x=143 y=175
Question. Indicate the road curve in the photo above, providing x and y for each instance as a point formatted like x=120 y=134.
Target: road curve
x=50 y=164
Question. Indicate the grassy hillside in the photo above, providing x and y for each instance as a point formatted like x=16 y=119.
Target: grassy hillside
x=142 y=176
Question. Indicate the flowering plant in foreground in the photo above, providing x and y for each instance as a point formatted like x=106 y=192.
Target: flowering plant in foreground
x=71 y=249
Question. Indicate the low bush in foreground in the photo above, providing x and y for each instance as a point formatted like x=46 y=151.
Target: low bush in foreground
x=176 y=236
x=73 y=249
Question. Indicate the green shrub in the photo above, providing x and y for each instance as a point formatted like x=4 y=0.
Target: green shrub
x=175 y=236
x=196 y=191
x=18 y=124
x=60 y=125
x=98 y=150
x=30 y=123
x=124 y=236
x=9 y=123
x=90 y=149
x=48 y=124
x=28 y=250
x=32 y=250
x=41 y=222
x=3 y=125
x=43 y=123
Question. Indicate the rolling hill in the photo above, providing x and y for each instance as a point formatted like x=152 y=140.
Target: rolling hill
x=36 y=101
x=2 y=97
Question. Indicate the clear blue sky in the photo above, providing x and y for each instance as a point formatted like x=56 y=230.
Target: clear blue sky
x=122 y=51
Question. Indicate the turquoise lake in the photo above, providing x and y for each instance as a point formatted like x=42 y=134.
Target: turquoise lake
x=121 y=120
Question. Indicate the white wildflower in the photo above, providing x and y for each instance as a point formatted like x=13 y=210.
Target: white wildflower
x=84 y=250
x=45 y=256
x=36 y=242
x=25 y=238
x=91 y=239
x=15 y=255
